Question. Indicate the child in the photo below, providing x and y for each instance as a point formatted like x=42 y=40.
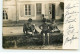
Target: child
x=53 y=27
x=28 y=27
x=45 y=32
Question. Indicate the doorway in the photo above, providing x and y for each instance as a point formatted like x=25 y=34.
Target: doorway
x=38 y=11
x=52 y=11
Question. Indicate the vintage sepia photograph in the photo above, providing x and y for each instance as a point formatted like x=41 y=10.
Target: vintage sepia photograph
x=33 y=24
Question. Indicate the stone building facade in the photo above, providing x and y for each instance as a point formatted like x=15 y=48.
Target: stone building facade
x=15 y=10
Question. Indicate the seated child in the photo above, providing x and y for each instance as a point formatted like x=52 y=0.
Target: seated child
x=28 y=27
x=45 y=31
x=53 y=27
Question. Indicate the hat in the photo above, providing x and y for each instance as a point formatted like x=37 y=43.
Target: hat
x=30 y=20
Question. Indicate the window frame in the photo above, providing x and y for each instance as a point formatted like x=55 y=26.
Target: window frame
x=38 y=5
x=5 y=9
x=7 y=0
x=28 y=8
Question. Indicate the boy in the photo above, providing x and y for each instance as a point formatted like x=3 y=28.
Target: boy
x=28 y=27
x=45 y=32
x=53 y=27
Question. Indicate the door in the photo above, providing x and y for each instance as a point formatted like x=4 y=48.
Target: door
x=52 y=11
x=38 y=11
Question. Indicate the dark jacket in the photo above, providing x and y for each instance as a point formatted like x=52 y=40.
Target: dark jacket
x=44 y=27
x=28 y=27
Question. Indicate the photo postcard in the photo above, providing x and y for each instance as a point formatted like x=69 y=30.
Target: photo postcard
x=40 y=24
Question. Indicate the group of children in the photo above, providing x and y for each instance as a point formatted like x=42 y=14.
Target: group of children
x=46 y=29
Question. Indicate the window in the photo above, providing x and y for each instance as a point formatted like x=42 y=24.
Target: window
x=7 y=0
x=27 y=9
x=5 y=15
x=38 y=8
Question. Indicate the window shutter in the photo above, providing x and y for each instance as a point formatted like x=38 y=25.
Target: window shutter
x=32 y=10
x=46 y=9
x=22 y=10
